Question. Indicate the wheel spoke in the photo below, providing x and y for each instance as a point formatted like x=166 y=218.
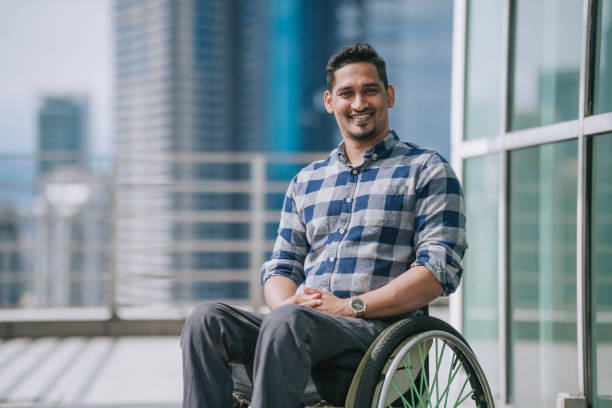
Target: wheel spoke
x=412 y=382
x=420 y=374
x=451 y=376
x=438 y=362
x=457 y=402
x=466 y=397
x=424 y=373
x=399 y=392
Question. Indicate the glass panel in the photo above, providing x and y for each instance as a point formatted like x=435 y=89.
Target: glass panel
x=542 y=262
x=603 y=60
x=545 y=68
x=483 y=68
x=480 y=290
x=601 y=252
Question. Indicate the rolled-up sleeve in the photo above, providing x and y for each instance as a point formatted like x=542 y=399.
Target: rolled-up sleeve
x=291 y=244
x=439 y=223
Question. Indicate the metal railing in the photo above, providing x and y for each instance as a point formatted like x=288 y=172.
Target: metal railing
x=141 y=237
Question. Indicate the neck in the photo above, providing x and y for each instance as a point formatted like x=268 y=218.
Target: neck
x=354 y=149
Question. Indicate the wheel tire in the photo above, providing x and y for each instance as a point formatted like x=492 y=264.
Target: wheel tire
x=386 y=344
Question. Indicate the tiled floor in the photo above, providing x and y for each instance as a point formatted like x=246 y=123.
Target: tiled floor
x=130 y=372
x=98 y=372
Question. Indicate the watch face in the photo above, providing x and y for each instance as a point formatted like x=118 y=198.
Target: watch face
x=357 y=305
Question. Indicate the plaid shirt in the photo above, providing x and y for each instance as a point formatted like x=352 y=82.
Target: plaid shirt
x=350 y=230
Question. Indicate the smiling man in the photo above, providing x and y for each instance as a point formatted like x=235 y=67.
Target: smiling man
x=367 y=236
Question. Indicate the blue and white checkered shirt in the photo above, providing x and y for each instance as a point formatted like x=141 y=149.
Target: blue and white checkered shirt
x=350 y=230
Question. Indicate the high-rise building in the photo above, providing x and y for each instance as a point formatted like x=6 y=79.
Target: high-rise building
x=70 y=266
x=206 y=76
x=189 y=79
x=11 y=264
x=62 y=131
x=415 y=39
x=202 y=76
x=71 y=236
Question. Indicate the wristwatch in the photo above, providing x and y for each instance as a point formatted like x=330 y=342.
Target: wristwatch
x=358 y=306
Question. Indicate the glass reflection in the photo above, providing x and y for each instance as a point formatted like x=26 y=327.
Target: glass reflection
x=602 y=75
x=601 y=259
x=481 y=186
x=483 y=69
x=542 y=266
x=545 y=63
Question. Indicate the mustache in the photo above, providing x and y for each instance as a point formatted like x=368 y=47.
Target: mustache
x=367 y=110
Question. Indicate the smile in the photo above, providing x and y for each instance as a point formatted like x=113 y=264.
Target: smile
x=361 y=117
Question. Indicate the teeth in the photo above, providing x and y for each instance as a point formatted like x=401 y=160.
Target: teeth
x=358 y=117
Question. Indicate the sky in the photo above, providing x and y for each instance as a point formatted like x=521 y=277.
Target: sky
x=54 y=47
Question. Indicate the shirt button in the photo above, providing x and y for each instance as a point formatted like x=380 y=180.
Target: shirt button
x=355 y=171
x=348 y=199
x=332 y=259
x=341 y=230
x=375 y=156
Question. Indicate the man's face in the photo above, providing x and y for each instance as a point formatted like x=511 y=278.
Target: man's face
x=360 y=102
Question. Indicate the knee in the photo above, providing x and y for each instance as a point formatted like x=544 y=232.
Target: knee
x=205 y=317
x=286 y=317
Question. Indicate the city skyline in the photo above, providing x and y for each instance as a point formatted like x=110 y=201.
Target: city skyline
x=66 y=47
x=178 y=81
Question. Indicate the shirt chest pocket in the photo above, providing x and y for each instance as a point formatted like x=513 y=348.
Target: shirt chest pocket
x=381 y=207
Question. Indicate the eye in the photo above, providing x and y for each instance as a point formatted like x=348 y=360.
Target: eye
x=371 y=91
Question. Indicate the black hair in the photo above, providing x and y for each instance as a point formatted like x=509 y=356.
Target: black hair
x=351 y=54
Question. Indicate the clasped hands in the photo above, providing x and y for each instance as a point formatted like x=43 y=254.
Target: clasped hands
x=321 y=300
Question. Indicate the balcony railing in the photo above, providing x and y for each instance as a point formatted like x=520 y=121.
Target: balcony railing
x=142 y=237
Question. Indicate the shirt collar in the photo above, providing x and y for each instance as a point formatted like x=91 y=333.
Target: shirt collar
x=379 y=150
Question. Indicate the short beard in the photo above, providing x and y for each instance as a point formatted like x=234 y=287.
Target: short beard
x=363 y=136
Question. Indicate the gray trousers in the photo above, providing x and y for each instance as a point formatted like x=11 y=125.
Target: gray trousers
x=280 y=350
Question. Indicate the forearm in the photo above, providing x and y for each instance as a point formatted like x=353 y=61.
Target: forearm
x=406 y=293
x=277 y=290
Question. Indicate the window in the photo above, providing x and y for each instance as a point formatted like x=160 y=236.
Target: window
x=483 y=69
x=542 y=267
x=480 y=283
x=545 y=69
x=602 y=70
x=601 y=273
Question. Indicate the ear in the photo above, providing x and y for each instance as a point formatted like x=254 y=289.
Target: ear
x=327 y=99
x=390 y=96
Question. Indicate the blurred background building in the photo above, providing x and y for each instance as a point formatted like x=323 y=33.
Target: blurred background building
x=186 y=87
x=62 y=129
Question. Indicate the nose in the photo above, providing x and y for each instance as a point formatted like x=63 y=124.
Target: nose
x=359 y=103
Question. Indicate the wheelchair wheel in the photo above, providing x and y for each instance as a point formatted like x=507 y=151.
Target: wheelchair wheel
x=420 y=362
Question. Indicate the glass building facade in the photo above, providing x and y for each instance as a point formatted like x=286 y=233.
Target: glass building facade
x=531 y=133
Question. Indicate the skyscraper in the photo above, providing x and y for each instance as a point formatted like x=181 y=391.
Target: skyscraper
x=202 y=76
x=188 y=80
x=415 y=38
x=62 y=131
x=12 y=286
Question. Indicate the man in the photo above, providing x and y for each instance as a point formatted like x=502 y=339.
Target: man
x=367 y=236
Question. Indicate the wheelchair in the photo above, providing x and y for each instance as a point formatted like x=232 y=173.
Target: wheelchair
x=419 y=361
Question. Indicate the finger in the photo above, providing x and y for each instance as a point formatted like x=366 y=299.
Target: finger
x=312 y=303
x=310 y=290
x=304 y=297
